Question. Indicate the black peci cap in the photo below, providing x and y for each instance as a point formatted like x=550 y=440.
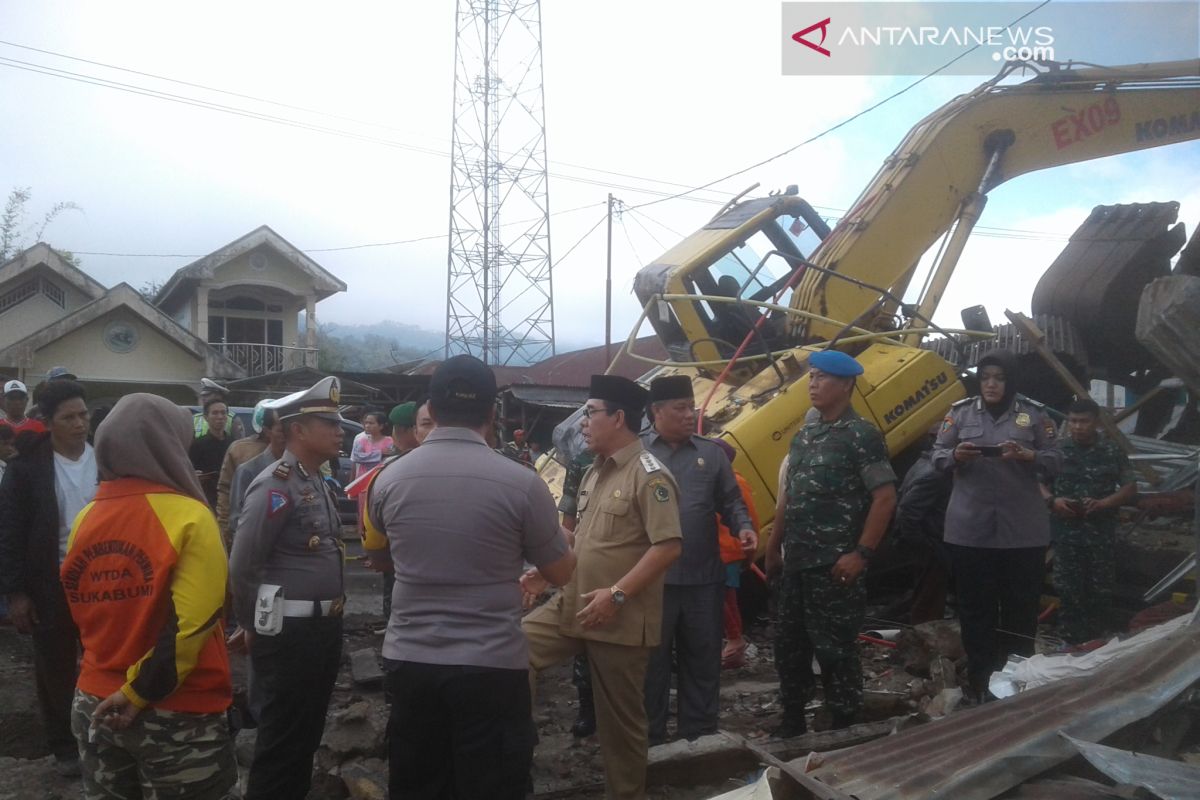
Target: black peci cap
x=619 y=391
x=671 y=387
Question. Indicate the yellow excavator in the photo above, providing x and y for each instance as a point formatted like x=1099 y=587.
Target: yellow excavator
x=741 y=303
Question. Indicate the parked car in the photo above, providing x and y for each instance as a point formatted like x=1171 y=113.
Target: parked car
x=347 y=508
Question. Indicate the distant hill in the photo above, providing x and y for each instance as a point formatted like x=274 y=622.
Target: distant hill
x=377 y=345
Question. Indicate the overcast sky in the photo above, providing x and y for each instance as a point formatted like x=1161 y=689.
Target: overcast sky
x=670 y=91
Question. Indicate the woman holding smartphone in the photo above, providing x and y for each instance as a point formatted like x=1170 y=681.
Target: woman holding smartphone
x=997 y=525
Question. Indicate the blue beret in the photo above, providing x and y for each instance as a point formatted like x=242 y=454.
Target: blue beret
x=835 y=362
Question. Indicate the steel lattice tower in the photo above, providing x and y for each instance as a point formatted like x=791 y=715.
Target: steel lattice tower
x=499 y=303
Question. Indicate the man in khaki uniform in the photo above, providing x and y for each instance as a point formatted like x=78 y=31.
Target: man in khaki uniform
x=627 y=536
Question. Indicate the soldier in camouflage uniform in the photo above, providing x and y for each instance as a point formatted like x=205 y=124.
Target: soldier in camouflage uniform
x=1094 y=481
x=836 y=496
x=581 y=675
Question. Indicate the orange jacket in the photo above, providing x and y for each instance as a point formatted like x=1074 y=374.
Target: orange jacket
x=731 y=548
x=145 y=579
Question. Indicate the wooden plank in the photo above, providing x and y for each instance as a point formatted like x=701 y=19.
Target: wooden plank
x=1037 y=340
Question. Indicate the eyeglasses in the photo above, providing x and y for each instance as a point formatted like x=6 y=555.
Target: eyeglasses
x=588 y=411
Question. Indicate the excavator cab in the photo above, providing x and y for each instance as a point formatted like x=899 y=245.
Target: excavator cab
x=748 y=252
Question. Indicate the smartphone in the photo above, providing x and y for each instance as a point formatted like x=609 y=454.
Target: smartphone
x=990 y=450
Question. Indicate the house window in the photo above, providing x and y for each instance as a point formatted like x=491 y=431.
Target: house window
x=244 y=330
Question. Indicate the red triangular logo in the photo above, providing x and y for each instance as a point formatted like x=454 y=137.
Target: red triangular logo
x=823 y=25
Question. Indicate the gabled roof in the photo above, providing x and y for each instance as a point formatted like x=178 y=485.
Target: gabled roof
x=121 y=295
x=325 y=282
x=42 y=254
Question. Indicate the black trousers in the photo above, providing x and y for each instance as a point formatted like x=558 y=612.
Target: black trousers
x=692 y=621
x=55 y=667
x=998 y=592
x=458 y=732
x=294 y=674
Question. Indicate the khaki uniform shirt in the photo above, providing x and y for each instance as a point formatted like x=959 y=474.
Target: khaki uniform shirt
x=627 y=503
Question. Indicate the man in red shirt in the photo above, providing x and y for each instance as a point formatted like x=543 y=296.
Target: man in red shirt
x=16 y=399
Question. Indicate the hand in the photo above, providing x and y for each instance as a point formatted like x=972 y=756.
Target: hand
x=1063 y=507
x=533 y=586
x=965 y=453
x=749 y=540
x=599 y=610
x=378 y=560
x=848 y=568
x=774 y=563
x=240 y=641
x=22 y=613
x=1013 y=451
x=1091 y=504
x=115 y=712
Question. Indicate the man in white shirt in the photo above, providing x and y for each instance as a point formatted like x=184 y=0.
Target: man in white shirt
x=49 y=482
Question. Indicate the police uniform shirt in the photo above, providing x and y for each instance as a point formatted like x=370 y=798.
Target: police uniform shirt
x=996 y=502
x=289 y=535
x=627 y=503
x=707 y=487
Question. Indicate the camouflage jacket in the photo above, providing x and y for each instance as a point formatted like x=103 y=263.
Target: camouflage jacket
x=569 y=504
x=1096 y=470
x=832 y=469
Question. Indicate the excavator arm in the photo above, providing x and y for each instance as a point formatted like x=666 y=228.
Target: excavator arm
x=940 y=174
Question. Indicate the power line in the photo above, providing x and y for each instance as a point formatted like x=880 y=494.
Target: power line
x=841 y=124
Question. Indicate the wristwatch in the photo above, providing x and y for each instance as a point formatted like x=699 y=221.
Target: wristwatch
x=618 y=596
x=866 y=552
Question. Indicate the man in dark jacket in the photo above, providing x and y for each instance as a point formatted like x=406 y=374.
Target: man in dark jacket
x=43 y=489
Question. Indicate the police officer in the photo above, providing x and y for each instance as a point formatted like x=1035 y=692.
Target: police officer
x=694 y=597
x=611 y=610
x=1095 y=480
x=836 y=496
x=286 y=575
x=997 y=528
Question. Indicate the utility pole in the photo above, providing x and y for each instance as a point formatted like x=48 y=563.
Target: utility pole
x=608 y=292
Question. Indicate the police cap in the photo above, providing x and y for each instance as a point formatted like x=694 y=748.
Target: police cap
x=320 y=401
x=462 y=382
x=835 y=362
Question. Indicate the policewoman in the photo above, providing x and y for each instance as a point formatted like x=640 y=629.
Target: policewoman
x=287 y=578
x=997 y=526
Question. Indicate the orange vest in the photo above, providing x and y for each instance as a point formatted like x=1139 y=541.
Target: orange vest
x=731 y=548
x=145 y=579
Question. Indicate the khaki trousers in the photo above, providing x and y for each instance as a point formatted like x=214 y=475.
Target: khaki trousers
x=618 y=682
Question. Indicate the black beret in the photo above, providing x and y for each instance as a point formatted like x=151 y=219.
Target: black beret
x=617 y=390
x=671 y=387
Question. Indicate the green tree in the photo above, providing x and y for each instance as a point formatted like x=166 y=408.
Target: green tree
x=16 y=233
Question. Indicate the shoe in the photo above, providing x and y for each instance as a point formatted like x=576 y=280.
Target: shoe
x=67 y=766
x=790 y=728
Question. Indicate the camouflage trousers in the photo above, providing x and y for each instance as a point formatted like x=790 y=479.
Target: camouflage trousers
x=816 y=616
x=1084 y=576
x=164 y=755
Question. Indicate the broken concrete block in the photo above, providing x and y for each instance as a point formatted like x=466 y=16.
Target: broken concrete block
x=920 y=645
x=366 y=780
x=353 y=732
x=364 y=667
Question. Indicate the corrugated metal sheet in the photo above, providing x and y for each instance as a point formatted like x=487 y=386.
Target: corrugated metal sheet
x=980 y=753
x=1170 y=780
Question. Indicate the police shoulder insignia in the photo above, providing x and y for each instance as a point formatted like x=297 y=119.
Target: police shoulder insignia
x=277 y=501
x=283 y=470
x=947 y=423
x=661 y=493
x=962 y=402
x=301 y=469
x=1023 y=420
x=649 y=462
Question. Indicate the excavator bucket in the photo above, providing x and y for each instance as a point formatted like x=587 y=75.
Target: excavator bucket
x=1094 y=281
